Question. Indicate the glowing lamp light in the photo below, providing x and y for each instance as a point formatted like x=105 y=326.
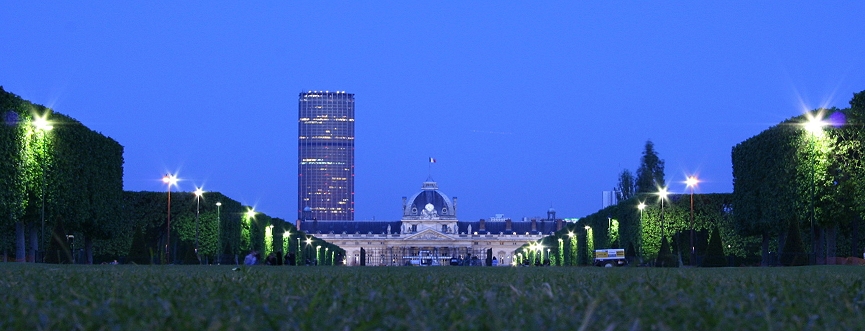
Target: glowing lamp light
x=250 y=213
x=42 y=124
x=691 y=181
x=641 y=206
x=815 y=124
x=198 y=192
x=662 y=192
x=170 y=179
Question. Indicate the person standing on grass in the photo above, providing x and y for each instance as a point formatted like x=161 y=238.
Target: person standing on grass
x=271 y=259
x=250 y=258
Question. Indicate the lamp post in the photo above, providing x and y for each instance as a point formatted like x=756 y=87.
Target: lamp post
x=317 y=258
x=662 y=195
x=297 y=255
x=250 y=215
x=218 y=234
x=170 y=180
x=198 y=192
x=609 y=231
x=588 y=251
x=325 y=255
x=814 y=125
x=42 y=125
x=308 y=243
x=691 y=182
x=560 y=253
x=641 y=206
x=286 y=244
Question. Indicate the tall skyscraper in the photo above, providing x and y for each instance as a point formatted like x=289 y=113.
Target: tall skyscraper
x=325 y=171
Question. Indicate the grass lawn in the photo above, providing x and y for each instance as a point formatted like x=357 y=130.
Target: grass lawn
x=129 y=297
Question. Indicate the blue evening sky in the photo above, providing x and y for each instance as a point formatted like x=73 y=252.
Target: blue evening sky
x=525 y=105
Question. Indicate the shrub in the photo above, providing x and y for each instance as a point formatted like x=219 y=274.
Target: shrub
x=794 y=251
x=665 y=256
x=715 y=251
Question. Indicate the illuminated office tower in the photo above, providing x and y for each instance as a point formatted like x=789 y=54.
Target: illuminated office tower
x=325 y=171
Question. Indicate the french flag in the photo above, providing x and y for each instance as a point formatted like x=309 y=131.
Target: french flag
x=432 y=160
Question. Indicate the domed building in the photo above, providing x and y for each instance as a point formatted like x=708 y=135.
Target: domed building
x=429 y=233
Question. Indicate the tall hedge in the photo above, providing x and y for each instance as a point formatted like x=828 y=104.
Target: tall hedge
x=82 y=172
x=816 y=181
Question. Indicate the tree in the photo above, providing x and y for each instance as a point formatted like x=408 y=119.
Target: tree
x=715 y=251
x=650 y=174
x=794 y=252
x=665 y=256
x=626 y=188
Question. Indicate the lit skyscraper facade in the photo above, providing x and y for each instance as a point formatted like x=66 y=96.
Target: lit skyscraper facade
x=325 y=171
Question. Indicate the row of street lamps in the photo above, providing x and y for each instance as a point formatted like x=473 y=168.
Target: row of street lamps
x=171 y=180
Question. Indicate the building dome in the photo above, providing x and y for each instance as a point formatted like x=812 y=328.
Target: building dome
x=429 y=203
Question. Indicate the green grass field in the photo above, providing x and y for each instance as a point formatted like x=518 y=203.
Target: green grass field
x=128 y=297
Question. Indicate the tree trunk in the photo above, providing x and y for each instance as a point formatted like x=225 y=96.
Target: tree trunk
x=854 y=237
x=782 y=242
x=831 y=242
x=819 y=250
x=34 y=243
x=20 y=250
x=765 y=250
x=88 y=250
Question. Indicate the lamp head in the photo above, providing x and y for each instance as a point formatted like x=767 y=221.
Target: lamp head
x=814 y=123
x=42 y=124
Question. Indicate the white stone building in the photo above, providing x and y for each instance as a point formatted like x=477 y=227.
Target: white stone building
x=430 y=233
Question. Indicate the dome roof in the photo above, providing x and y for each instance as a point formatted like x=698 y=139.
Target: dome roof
x=429 y=203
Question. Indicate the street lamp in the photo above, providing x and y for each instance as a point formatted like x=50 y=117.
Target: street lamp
x=286 y=244
x=325 y=255
x=218 y=234
x=317 y=258
x=298 y=254
x=250 y=215
x=198 y=192
x=662 y=195
x=308 y=243
x=641 y=206
x=170 y=180
x=691 y=182
x=588 y=235
x=609 y=230
x=814 y=125
x=43 y=126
